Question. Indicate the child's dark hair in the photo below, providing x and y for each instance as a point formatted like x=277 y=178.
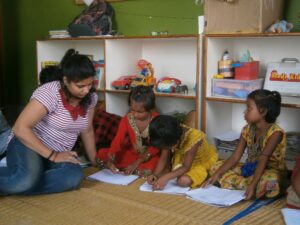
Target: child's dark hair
x=269 y=101
x=142 y=94
x=164 y=131
x=49 y=74
x=76 y=67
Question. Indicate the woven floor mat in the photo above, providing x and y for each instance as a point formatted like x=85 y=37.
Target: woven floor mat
x=100 y=203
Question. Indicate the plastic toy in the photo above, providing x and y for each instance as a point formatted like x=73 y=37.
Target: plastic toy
x=145 y=74
x=280 y=27
x=182 y=88
x=123 y=82
x=167 y=85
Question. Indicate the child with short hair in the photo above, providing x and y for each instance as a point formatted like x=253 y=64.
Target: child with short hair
x=130 y=151
x=192 y=154
x=265 y=141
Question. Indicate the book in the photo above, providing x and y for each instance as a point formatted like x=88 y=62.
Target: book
x=99 y=78
x=215 y=196
x=44 y=64
x=171 y=188
x=108 y=176
x=291 y=216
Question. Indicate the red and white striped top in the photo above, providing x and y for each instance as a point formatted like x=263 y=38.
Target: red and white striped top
x=57 y=129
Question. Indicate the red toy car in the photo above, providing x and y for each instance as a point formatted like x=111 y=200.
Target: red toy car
x=123 y=82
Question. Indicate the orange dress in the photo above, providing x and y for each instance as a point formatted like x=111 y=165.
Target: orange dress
x=130 y=145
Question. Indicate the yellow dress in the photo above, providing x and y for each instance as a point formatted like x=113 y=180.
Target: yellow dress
x=205 y=157
x=273 y=176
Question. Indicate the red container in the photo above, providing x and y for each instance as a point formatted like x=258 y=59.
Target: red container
x=247 y=71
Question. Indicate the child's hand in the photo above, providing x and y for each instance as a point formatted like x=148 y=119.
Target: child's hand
x=210 y=181
x=159 y=184
x=132 y=167
x=112 y=167
x=250 y=191
x=151 y=179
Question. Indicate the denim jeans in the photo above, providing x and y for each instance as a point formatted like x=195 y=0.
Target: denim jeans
x=27 y=173
x=4 y=133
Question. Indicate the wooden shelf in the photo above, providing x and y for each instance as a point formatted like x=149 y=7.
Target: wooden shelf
x=242 y=35
x=288 y=102
x=191 y=95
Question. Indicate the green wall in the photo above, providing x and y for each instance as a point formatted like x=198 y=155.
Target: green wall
x=25 y=21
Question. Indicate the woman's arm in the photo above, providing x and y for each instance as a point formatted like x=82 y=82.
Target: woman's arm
x=33 y=112
x=229 y=163
x=88 y=138
x=266 y=153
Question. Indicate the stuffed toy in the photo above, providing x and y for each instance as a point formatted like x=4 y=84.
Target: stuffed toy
x=280 y=26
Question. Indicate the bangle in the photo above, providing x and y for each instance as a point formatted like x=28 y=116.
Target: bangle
x=51 y=154
x=146 y=157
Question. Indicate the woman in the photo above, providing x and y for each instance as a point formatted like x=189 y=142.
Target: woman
x=39 y=156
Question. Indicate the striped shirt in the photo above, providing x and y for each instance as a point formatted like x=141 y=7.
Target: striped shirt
x=57 y=130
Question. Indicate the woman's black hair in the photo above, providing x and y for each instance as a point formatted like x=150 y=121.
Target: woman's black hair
x=76 y=67
x=142 y=94
x=165 y=131
x=269 y=101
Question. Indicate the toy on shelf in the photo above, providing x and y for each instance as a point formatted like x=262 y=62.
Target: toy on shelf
x=123 y=82
x=145 y=74
x=168 y=85
x=280 y=27
x=182 y=88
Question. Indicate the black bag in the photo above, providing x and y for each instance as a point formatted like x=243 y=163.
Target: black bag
x=96 y=19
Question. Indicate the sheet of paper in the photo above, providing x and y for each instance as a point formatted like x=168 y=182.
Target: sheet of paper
x=108 y=176
x=213 y=195
x=291 y=216
x=170 y=188
x=3 y=162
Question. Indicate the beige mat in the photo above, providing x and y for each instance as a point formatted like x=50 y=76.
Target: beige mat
x=99 y=203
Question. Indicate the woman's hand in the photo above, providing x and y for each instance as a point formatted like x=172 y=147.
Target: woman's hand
x=210 y=181
x=67 y=156
x=151 y=179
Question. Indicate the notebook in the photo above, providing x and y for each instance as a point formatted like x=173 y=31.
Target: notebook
x=108 y=176
x=215 y=196
x=170 y=188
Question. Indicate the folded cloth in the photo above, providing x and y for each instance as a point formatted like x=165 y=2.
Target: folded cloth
x=248 y=169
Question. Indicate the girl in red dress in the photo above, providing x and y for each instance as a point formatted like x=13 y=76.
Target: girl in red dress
x=130 y=151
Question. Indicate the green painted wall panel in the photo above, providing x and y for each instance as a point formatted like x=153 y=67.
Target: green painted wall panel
x=30 y=20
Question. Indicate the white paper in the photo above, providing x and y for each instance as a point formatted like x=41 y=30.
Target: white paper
x=170 y=188
x=108 y=176
x=213 y=195
x=291 y=216
x=228 y=136
x=3 y=162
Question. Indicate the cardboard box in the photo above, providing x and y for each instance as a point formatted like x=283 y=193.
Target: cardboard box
x=247 y=71
x=241 y=16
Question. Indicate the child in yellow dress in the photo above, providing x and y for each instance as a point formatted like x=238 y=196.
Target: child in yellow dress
x=192 y=155
x=265 y=141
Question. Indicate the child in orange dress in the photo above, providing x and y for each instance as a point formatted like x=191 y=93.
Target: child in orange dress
x=264 y=170
x=130 y=151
